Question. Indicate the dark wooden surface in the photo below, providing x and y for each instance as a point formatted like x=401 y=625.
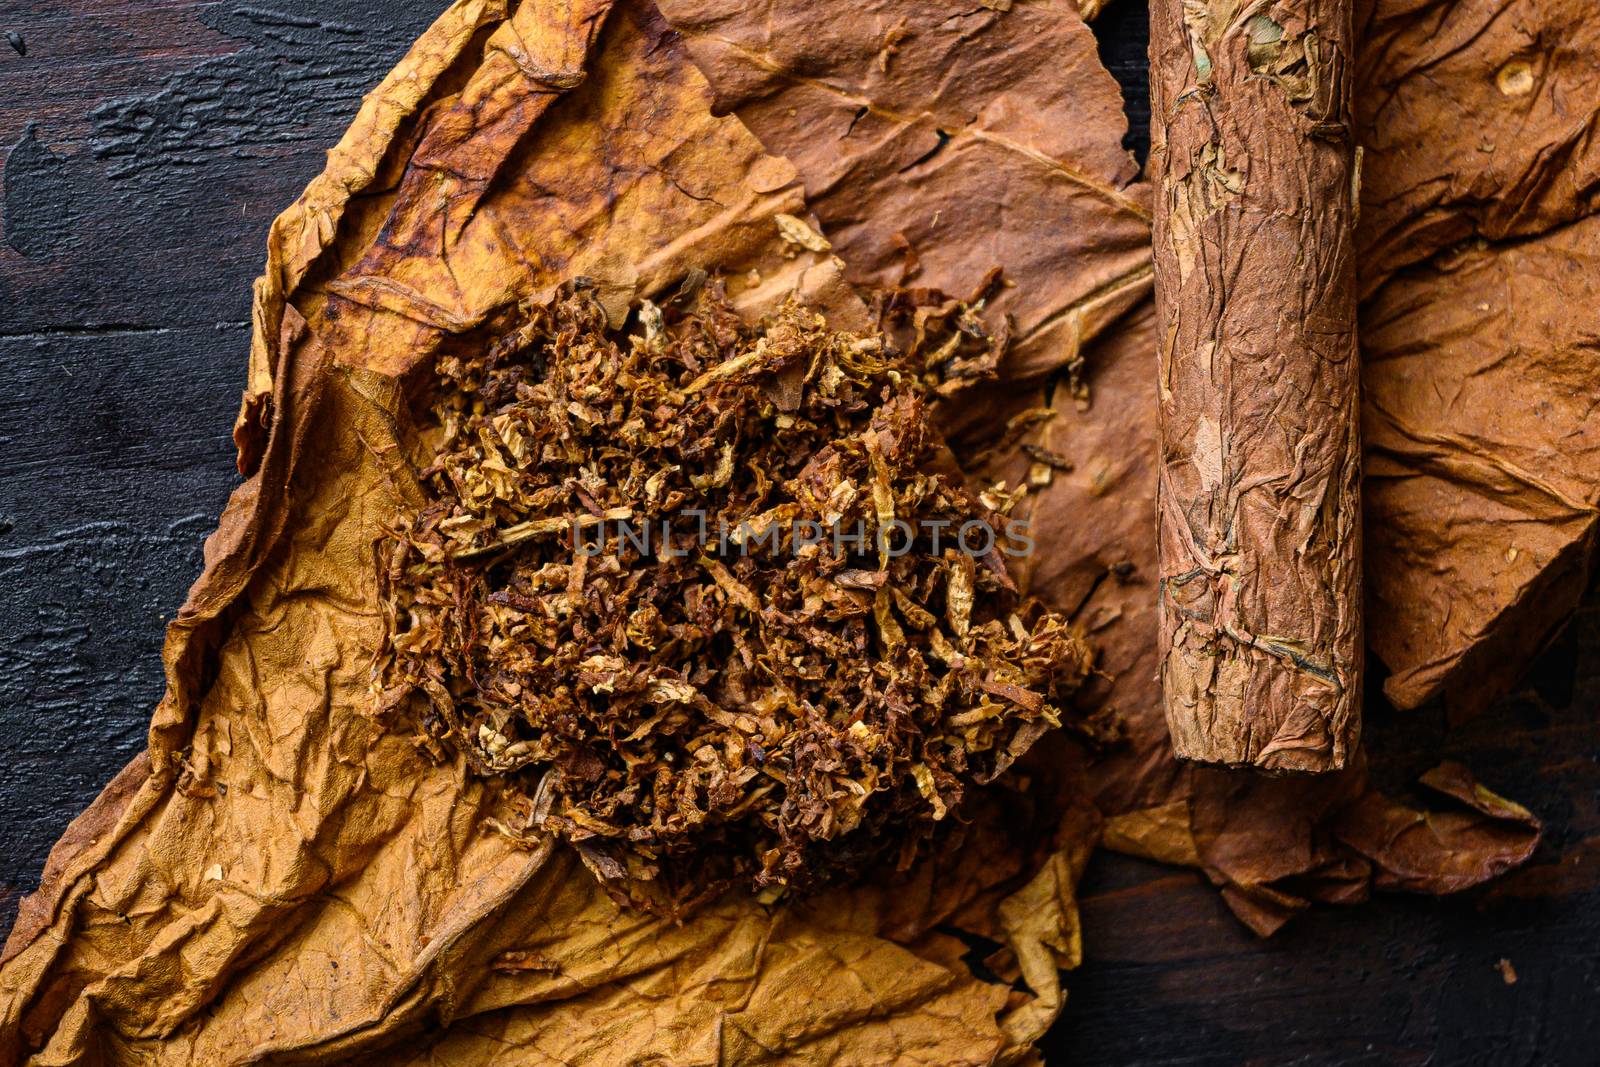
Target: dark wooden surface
x=146 y=147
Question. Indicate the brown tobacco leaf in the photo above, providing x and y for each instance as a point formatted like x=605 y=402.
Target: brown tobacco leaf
x=408 y=268
x=938 y=141
x=299 y=239
x=1254 y=158
x=1479 y=119
x=1441 y=852
x=282 y=876
x=1482 y=441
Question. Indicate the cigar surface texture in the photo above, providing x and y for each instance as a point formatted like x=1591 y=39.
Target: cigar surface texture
x=1260 y=528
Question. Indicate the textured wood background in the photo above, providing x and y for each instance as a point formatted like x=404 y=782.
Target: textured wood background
x=146 y=146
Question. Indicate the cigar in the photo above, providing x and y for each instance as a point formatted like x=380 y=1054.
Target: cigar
x=1260 y=525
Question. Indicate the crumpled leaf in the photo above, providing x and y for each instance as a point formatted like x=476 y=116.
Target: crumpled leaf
x=630 y=183
x=1482 y=476
x=937 y=142
x=1434 y=852
x=357 y=165
x=1479 y=120
x=530 y=61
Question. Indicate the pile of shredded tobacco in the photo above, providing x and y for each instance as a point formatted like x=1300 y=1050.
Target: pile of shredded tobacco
x=709 y=597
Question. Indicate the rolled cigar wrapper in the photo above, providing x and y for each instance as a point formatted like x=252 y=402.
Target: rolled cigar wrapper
x=1260 y=526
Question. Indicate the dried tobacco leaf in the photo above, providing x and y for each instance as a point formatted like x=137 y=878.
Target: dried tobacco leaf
x=1481 y=434
x=1260 y=487
x=1479 y=120
x=626 y=179
x=701 y=595
x=940 y=141
x=1441 y=851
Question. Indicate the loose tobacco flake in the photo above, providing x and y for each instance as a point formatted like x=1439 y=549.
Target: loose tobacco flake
x=702 y=595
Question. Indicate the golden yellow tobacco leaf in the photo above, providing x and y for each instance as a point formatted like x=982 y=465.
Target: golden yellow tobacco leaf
x=629 y=182
x=301 y=237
